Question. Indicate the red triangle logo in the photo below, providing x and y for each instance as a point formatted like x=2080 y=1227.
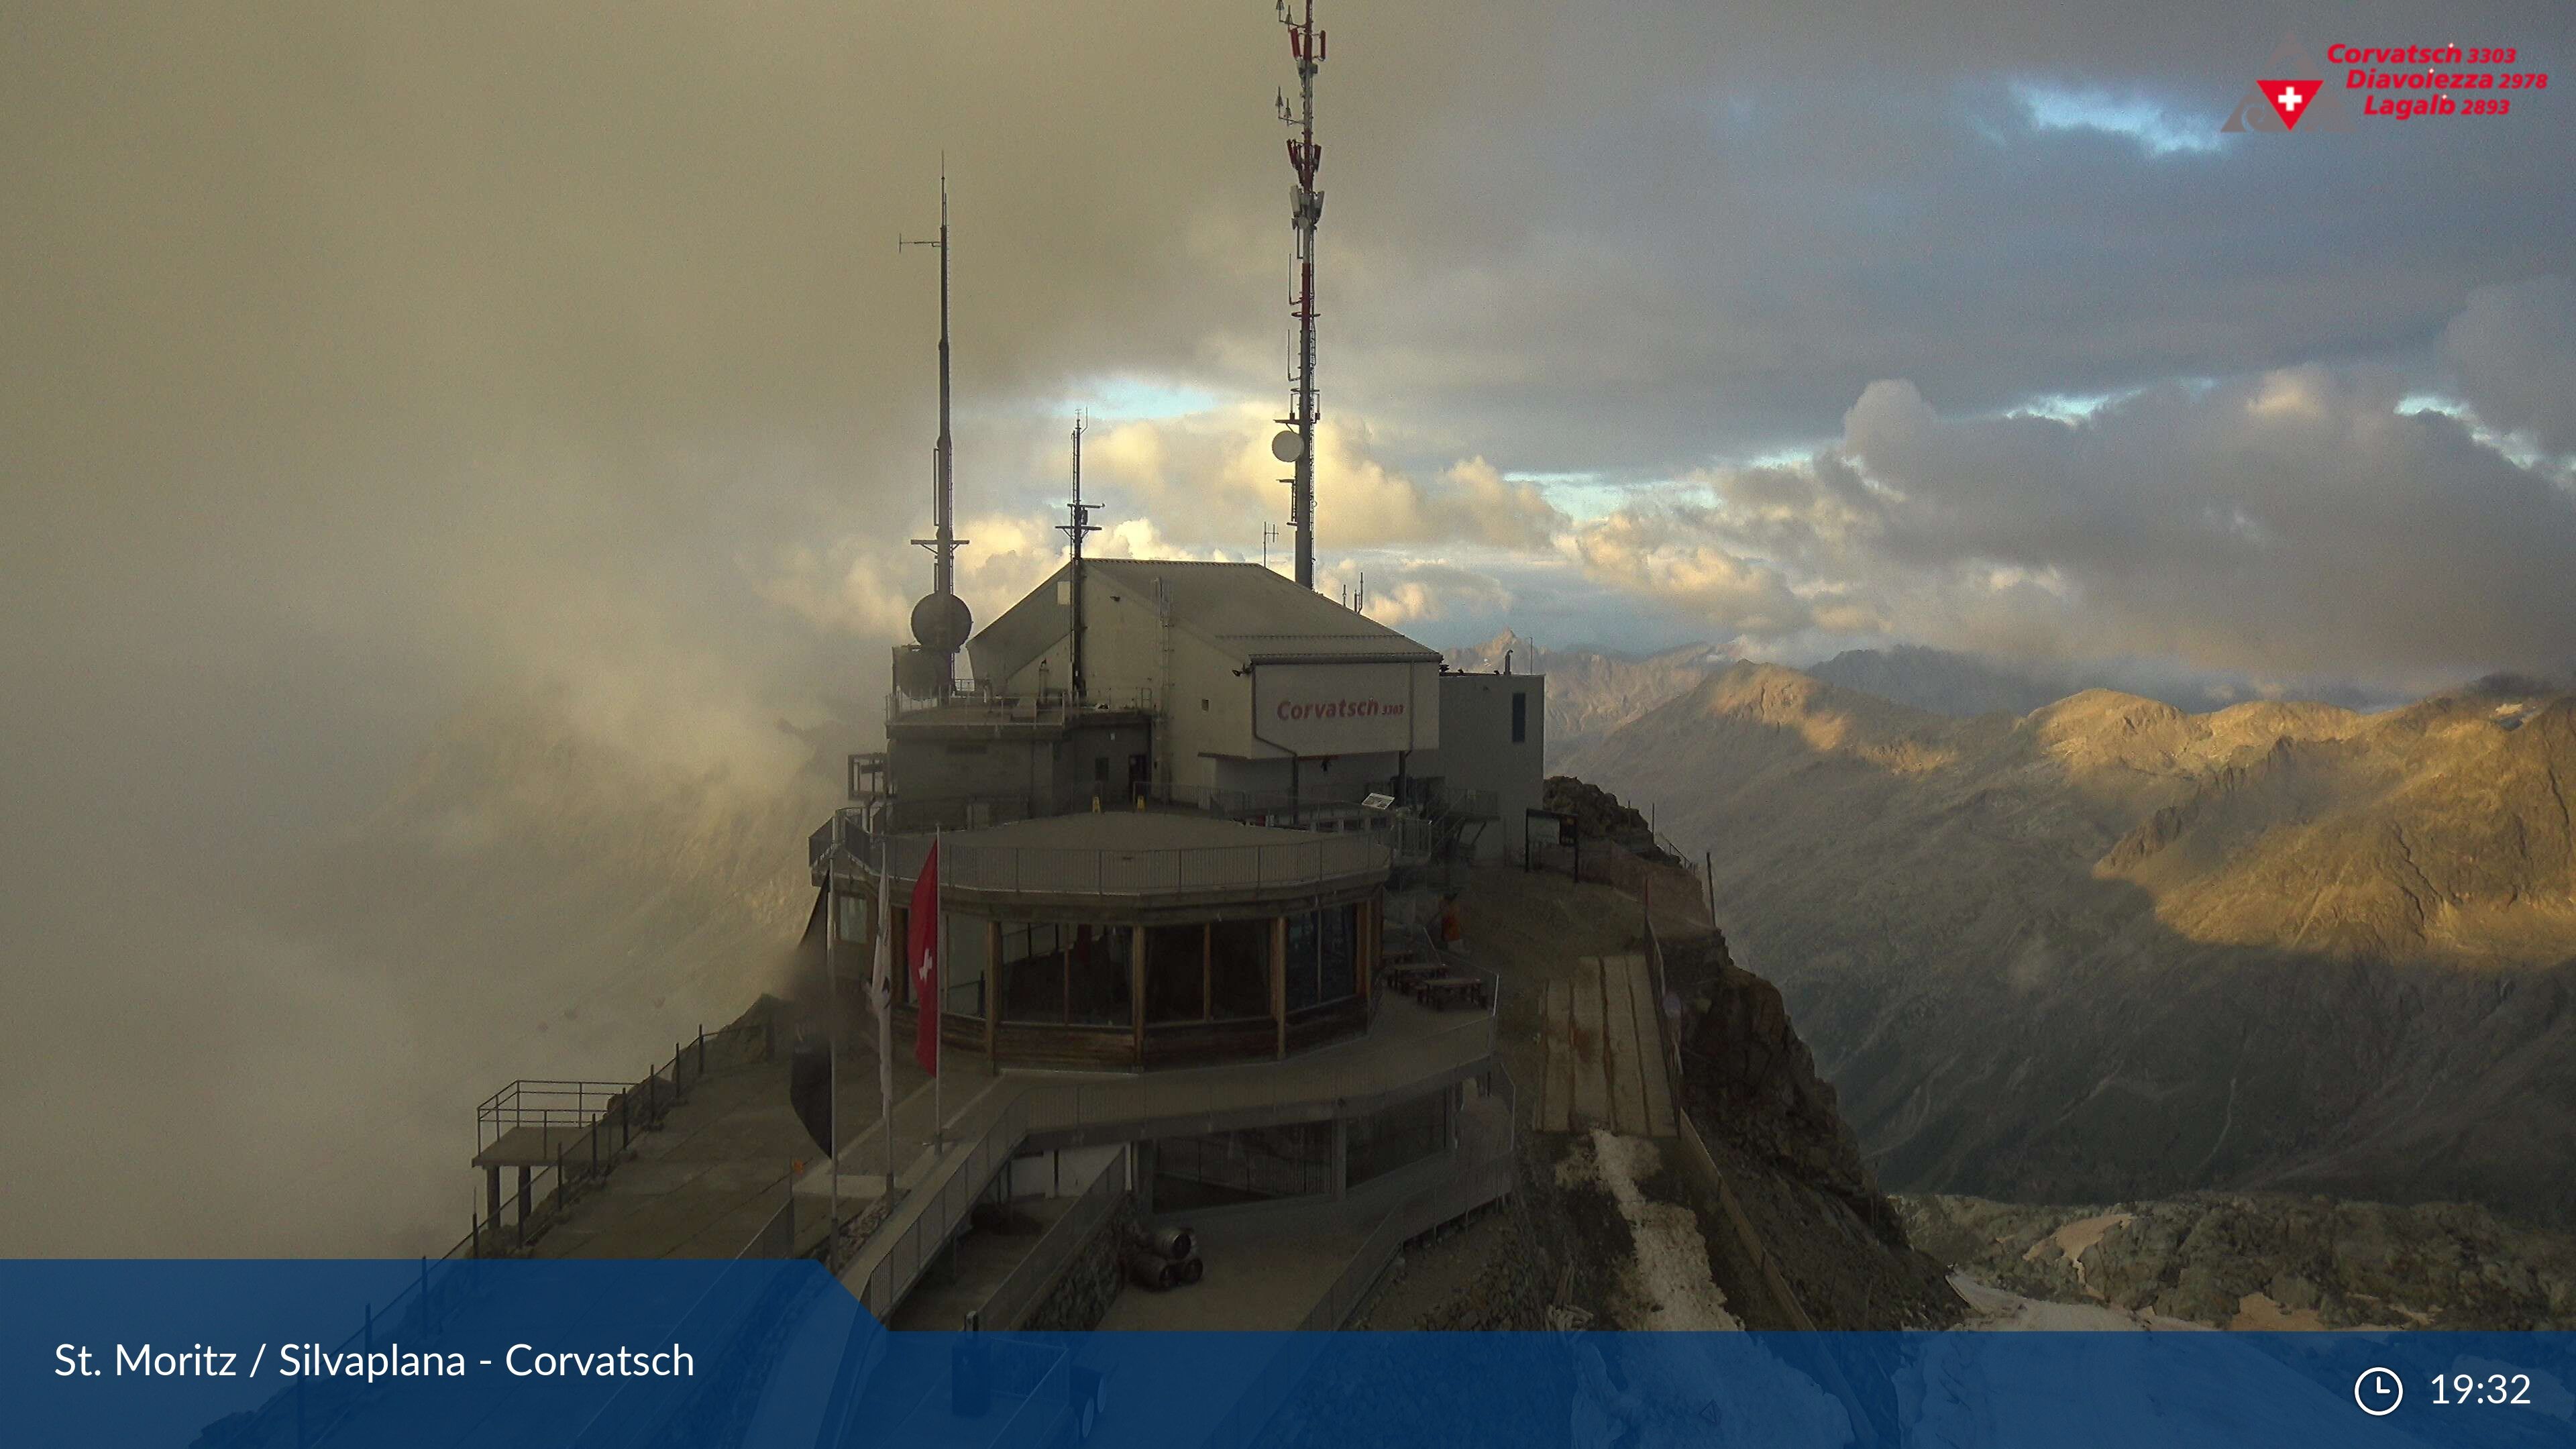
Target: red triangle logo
x=2290 y=99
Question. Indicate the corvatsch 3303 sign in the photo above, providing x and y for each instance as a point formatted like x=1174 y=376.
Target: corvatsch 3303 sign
x=1346 y=709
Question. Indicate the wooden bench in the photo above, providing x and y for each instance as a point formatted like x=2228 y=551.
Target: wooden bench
x=1409 y=978
x=1442 y=992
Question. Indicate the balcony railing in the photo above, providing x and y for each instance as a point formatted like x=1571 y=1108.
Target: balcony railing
x=1074 y=871
x=1026 y=706
x=876 y=828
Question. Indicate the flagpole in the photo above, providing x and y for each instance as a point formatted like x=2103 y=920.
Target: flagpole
x=832 y=1039
x=884 y=994
x=938 y=991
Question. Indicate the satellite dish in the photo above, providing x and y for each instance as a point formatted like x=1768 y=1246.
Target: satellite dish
x=942 y=623
x=1287 y=447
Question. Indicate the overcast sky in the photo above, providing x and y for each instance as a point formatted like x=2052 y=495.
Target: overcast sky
x=360 y=361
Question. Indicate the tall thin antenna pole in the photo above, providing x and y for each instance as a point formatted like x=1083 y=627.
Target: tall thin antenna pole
x=832 y=1045
x=938 y=1005
x=948 y=629
x=943 y=515
x=1306 y=209
x=1080 y=526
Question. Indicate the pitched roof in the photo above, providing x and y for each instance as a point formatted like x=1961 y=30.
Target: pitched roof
x=1245 y=610
x=1259 y=615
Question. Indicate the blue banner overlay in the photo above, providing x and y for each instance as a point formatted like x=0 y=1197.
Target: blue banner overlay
x=595 y=1354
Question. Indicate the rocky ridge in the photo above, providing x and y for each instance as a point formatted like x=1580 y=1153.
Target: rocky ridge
x=2264 y=1260
x=2112 y=950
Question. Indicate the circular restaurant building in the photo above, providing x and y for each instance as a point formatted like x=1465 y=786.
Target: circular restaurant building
x=1127 y=939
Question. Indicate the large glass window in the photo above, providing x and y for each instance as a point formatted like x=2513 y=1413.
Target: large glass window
x=1339 y=977
x=1055 y=975
x=1242 y=969
x=969 y=961
x=1303 y=962
x=1404 y=1133
x=1322 y=947
x=1259 y=1165
x=1100 y=987
x=1034 y=963
x=1178 y=963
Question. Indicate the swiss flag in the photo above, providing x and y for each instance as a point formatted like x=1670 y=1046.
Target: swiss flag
x=921 y=954
x=2290 y=99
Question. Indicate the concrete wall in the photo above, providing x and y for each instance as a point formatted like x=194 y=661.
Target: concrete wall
x=1477 y=751
x=1122 y=650
x=1035 y=768
x=1123 y=665
x=1211 y=711
x=1058 y=1174
x=952 y=769
x=1342 y=780
x=1211 y=737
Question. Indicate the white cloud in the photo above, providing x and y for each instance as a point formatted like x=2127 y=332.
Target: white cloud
x=2513 y=349
x=2298 y=522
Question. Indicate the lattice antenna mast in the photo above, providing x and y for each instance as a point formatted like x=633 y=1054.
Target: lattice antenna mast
x=1080 y=512
x=1306 y=209
x=1079 y=526
x=940 y=621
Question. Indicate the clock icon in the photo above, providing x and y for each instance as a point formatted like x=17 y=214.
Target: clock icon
x=2378 y=1391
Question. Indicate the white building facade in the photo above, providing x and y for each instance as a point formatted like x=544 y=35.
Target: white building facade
x=1257 y=686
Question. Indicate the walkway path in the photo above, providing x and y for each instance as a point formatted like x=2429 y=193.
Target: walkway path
x=1604 y=1067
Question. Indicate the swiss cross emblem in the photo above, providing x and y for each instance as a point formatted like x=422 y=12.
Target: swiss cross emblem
x=2290 y=98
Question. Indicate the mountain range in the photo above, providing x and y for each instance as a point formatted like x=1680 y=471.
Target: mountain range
x=2108 y=950
x=1593 y=690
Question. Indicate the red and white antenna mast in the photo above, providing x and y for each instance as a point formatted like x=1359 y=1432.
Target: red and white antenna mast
x=1306 y=208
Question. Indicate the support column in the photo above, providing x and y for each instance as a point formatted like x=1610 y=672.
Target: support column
x=1279 y=979
x=1341 y=1175
x=1207 y=972
x=524 y=1175
x=992 y=986
x=492 y=1193
x=1364 y=950
x=1136 y=993
x=902 y=926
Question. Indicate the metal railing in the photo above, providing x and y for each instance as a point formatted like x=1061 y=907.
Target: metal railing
x=1473 y=805
x=1177 y=1106
x=776 y=1238
x=545 y=1103
x=1696 y=1158
x=936 y=1208
x=1667 y=1036
x=1019 y=1295
x=1488 y=1178
x=1045 y=701
x=606 y=1122
x=1243 y=1424
x=315 y=1407
x=863 y=827
x=1029 y=1381
x=1078 y=871
x=1254 y=1168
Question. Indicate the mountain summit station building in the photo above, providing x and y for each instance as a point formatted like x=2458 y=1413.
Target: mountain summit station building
x=1172 y=808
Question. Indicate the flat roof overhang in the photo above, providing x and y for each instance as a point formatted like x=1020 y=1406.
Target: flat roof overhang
x=997 y=722
x=1128 y=866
